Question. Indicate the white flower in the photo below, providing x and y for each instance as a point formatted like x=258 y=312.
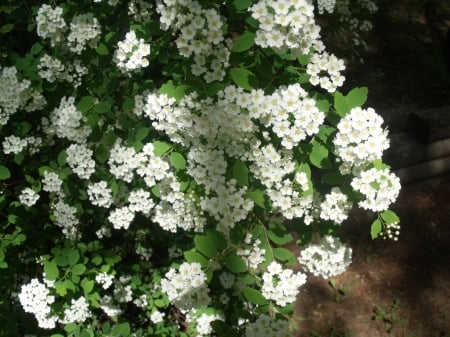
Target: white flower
x=380 y=188
x=28 y=197
x=78 y=312
x=360 y=138
x=281 y=285
x=335 y=207
x=267 y=326
x=100 y=194
x=121 y=217
x=35 y=298
x=328 y=258
x=131 y=53
x=65 y=217
x=79 y=158
x=186 y=287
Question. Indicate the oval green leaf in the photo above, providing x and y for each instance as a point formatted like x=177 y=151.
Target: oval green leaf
x=254 y=296
x=244 y=42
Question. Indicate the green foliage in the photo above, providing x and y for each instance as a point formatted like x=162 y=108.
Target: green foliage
x=389 y=317
x=182 y=209
x=355 y=98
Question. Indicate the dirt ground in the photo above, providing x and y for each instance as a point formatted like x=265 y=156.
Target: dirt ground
x=407 y=283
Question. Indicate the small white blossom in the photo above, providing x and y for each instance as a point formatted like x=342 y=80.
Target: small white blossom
x=328 y=258
x=28 y=197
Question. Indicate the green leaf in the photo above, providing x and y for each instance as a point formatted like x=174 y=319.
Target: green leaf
x=103 y=107
x=279 y=235
x=390 y=217
x=87 y=286
x=51 y=270
x=205 y=245
x=141 y=134
x=178 y=160
x=160 y=148
x=128 y=104
x=193 y=256
x=86 y=103
x=375 y=229
x=6 y=28
x=62 y=156
x=61 y=289
x=241 y=5
x=235 y=263
x=244 y=42
x=318 y=153
x=343 y=104
x=357 y=97
x=78 y=269
x=303 y=59
x=258 y=197
x=254 y=296
x=36 y=48
x=73 y=256
x=4 y=173
x=323 y=105
x=171 y=90
x=102 y=49
x=84 y=333
x=210 y=243
x=240 y=173
x=244 y=78
x=284 y=255
x=101 y=153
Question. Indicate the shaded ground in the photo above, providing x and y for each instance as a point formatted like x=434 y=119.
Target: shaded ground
x=408 y=279
x=414 y=270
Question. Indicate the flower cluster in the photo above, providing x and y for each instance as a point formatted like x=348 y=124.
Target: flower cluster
x=139 y=10
x=200 y=33
x=28 y=197
x=360 y=138
x=287 y=25
x=35 y=298
x=15 y=95
x=131 y=53
x=67 y=122
x=51 y=182
x=77 y=312
x=336 y=206
x=325 y=70
x=281 y=285
x=52 y=69
x=203 y=323
x=328 y=258
x=84 y=31
x=186 y=287
x=266 y=326
x=104 y=279
x=100 y=194
x=391 y=231
x=51 y=24
x=326 y=6
x=121 y=217
x=79 y=158
x=255 y=255
x=65 y=217
x=14 y=144
x=379 y=187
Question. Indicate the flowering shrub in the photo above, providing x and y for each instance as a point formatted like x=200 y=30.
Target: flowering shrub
x=151 y=155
